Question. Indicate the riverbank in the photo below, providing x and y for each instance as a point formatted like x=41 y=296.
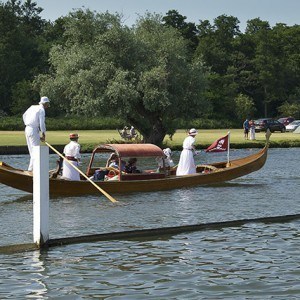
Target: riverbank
x=13 y=142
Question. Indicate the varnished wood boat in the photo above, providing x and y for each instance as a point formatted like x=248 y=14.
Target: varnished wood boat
x=142 y=182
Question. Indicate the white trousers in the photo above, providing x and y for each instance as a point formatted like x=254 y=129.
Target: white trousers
x=33 y=139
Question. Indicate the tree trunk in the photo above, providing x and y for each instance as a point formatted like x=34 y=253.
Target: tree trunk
x=265 y=103
x=156 y=135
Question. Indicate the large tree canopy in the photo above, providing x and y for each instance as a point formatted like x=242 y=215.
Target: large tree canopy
x=142 y=74
x=21 y=53
x=149 y=74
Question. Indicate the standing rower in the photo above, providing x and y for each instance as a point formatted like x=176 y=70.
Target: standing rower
x=34 y=120
x=72 y=154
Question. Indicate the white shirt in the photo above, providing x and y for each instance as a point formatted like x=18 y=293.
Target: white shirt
x=188 y=143
x=34 y=117
x=72 y=149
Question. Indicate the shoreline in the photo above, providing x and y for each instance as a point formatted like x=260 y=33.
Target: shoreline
x=13 y=142
x=87 y=148
x=15 y=150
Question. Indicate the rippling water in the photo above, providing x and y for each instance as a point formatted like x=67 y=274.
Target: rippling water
x=255 y=261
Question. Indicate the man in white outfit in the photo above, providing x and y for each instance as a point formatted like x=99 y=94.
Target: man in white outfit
x=186 y=163
x=34 y=120
x=72 y=154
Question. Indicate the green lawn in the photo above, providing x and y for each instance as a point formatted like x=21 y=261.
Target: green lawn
x=204 y=138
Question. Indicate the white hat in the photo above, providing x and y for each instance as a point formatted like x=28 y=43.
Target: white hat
x=44 y=100
x=167 y=152
x=193 y=131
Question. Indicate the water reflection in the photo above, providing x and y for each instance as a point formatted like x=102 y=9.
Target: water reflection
x=38 y=288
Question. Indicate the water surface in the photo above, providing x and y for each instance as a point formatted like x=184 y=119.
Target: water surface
x=254 y=261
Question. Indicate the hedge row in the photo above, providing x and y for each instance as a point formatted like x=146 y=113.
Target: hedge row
x=101 y=123
x=79 y=123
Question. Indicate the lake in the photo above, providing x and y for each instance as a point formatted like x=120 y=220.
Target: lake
x=254 y=261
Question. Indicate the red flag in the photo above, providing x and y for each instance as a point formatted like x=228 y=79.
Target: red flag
x=219 y=145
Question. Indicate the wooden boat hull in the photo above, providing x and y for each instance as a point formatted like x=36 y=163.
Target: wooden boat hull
x=21 y=180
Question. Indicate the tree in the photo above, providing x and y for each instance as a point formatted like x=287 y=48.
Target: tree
x=22 y=96
x=10 y=57
x=244 y=107
x=20 y=55
x=274 y=64
x=217 y=48
x=142 y=74
x=216 y=42
x=290 y=109
x=187 y=29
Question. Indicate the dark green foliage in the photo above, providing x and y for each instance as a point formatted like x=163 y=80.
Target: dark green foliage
x=187 y=29
x=11 y=123
x=101 y=123
x=76 y=123
x=204 y=123
x=162 y=74
x=142 y=75
x=260 y=64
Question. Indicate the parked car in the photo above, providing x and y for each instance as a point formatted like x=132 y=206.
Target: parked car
x=264 y=124
x=293 y=126
x=286 y=120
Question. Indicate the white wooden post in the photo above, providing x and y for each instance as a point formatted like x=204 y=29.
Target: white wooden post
x=40 y=195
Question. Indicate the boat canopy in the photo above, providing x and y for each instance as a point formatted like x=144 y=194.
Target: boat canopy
x=131 y=150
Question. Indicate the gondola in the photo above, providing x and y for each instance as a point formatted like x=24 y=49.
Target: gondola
x=148 y=180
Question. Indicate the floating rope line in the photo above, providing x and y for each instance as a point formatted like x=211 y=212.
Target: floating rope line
x=145 y=233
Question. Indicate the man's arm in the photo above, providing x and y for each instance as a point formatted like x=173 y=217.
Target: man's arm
x=42 y=124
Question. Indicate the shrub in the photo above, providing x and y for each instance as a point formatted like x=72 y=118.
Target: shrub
x=65 y=123
x=103 y=123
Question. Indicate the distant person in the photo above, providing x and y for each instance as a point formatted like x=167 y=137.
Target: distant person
x=132 y=133
x=124 y=133
x=34 y=120
x=72 y=154
x=246 y=127
x=252 y=130
x=186 y=163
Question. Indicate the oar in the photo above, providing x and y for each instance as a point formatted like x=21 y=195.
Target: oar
x=86 y=177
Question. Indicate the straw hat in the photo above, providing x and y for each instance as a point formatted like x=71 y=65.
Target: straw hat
x=167 y=152
x=74 y=136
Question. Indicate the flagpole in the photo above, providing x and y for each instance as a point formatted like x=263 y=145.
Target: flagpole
x=228 y=146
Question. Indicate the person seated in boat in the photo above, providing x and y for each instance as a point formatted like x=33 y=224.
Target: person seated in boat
x=111 y=159
x=99 y=174
x=131 y=166
x=113 y=162
x=166 y=159
x=72 y=154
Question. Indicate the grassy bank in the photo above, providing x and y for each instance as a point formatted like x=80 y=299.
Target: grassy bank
x=89 y=138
